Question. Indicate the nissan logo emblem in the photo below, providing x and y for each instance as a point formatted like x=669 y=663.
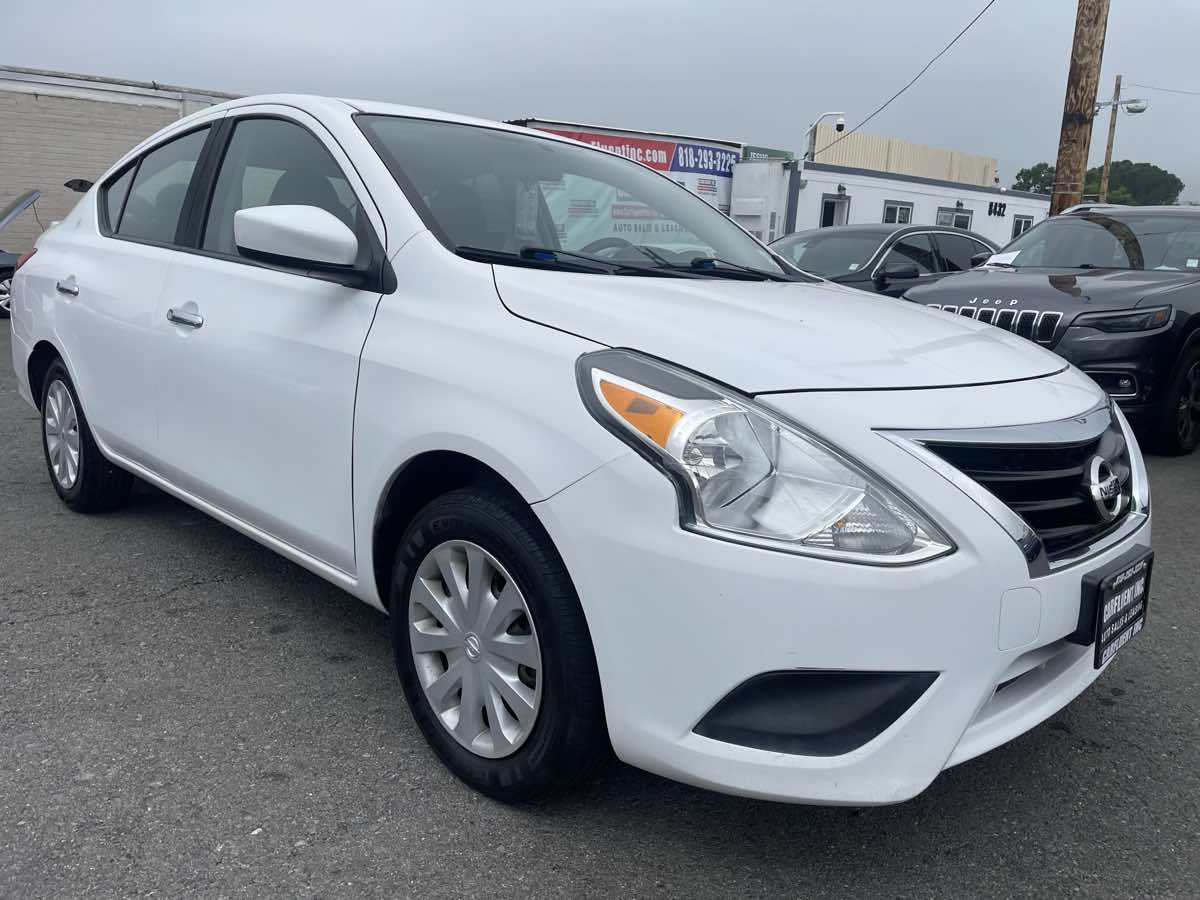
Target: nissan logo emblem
x=1105 y=489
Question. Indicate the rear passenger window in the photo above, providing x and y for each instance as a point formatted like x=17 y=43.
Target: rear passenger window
x=159 y=187
x=273 y=162
x=114 y=198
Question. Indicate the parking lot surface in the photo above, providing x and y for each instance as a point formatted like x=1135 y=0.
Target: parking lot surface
x=183 y=713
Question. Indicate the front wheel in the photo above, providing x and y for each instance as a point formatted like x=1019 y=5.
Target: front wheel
x=1178 y=428
x=492 y=648
x=83 y=478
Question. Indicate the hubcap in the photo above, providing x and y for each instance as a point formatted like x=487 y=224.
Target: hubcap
x=1189 y=405
x=475 y=649
x=61 y=424
x=6 y=294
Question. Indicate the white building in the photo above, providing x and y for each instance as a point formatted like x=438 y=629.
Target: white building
x=775 y=197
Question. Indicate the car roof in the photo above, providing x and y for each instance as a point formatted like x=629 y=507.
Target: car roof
x=879 y=231
x=315 y=103
x=1116 y=211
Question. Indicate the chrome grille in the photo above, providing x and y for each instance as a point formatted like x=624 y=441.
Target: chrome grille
x=1036 y=325
x=1047 y=484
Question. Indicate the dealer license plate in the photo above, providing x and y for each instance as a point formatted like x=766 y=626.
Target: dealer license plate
x=1121 y=594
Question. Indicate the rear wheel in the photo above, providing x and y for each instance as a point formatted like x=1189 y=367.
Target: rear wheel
x=83 y=478
x=1178 y=429
x=492 y=649
x=6 y=277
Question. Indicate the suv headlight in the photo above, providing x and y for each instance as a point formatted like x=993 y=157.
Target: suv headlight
x=745 y=474
x=1126 y=320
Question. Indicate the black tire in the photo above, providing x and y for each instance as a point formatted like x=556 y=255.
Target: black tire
x=568 y=738
x=5 y=292
x=99 y=485
x=1171 y=437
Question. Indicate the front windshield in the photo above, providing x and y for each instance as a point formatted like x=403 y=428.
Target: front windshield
x=1098 y=240
x=505 y=193
x=830 y=254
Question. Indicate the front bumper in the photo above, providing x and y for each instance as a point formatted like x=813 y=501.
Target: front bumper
x=679 y=620
x=1144 y=357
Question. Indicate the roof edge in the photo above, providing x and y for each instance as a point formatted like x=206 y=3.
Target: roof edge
x=918 y=179
x=100 y=82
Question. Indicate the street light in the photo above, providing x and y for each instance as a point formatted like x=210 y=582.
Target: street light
x=1133 y=107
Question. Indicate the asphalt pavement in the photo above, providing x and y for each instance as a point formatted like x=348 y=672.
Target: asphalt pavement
x=183 y=713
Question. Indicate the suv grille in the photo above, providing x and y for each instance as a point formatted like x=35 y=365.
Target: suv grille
x=1050 y=485
x=1036 y=325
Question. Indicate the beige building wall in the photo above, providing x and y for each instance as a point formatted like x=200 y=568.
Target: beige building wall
x=55 y=127
x=881 y=154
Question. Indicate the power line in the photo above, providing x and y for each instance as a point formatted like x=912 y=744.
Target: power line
x=910 y=84
x=1151 y=87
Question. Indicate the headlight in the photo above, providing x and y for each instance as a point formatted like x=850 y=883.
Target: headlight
x=745 y=474
x=1126 y=320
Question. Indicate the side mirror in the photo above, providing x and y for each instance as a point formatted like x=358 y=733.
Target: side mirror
x=980 y=258
x=897 y=270
x=295 y=235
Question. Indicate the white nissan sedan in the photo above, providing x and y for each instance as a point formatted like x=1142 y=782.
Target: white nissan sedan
x=620 y=475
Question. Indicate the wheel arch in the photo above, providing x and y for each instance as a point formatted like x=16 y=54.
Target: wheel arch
x=40 y=359
x=418 y=481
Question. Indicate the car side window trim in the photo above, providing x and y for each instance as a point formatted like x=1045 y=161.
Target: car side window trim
x=195 y=206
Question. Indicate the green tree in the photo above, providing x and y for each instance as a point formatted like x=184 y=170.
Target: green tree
x=1037 y=178
x=1138 y=184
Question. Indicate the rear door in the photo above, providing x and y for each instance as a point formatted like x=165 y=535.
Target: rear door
x=107 y=283
x=256 y=403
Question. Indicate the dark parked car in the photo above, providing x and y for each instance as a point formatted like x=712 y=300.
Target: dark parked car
x=1115 y=290
x=8 y=261
x=883 y=258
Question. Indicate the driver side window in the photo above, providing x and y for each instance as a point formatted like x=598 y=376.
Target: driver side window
x=916 y=249
x=273 y=162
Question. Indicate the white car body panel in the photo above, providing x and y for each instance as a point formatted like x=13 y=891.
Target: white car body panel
x=776 y=336
x=756 y=596
x=291 y=411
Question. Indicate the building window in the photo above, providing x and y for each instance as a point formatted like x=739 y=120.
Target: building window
x=897 y=212
x=1021 y=224
x=954 y=218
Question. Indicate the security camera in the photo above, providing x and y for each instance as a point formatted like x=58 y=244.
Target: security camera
x=840 y=124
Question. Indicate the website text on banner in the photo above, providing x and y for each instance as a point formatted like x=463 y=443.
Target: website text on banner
x=588 y=211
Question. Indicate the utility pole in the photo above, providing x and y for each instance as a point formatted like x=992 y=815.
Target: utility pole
x=1079 y=104
x=1112 y=131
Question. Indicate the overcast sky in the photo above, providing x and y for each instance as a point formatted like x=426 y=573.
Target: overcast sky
x=757 y=72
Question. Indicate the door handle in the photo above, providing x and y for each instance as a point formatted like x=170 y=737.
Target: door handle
x=67 y=286
x=179 y=317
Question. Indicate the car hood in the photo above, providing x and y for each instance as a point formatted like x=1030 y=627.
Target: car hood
x=1069 y=291
x=18 y=206
x=774 y=336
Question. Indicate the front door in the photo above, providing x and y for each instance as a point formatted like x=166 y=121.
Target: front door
x=260 y=365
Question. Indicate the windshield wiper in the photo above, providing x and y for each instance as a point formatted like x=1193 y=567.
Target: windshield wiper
x=486 y=254
x=565 y=259
x=617 y=267
x=707 y=265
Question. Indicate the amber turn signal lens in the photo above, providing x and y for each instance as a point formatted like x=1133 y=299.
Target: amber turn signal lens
x=651 y=417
